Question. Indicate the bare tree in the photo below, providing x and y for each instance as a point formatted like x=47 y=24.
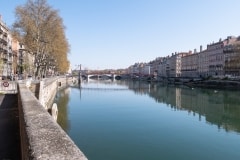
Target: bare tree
x=39 y=27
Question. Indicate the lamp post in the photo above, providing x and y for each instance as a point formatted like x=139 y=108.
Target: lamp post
x=79 y=75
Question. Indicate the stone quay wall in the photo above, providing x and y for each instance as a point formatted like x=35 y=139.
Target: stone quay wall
x=41 y=137
x=47 y=91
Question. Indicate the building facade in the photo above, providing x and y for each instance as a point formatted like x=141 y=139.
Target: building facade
x=164 y=67
x=232 y=57
x=175 y=64
x=189 y=66
x=14 y=60
x=218 y=59
x=6 y=55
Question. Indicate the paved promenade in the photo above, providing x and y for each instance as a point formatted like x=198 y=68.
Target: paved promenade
x=9 y=128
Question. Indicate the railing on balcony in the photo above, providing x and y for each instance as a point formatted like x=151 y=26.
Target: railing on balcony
x=3 y=39
x=10 y=60
x=5 y=34
x=4 y=56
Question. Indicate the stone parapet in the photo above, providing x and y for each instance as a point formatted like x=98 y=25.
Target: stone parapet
x=48 y=89
x=41 y=137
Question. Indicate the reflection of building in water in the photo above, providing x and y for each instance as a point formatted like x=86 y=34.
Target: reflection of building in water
x=220 y=108
x=178 y=97
x=164 y=94
x=139 y=87
x=194 y=102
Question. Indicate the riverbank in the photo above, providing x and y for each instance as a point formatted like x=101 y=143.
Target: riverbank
x=215 y=84
x=212 y=83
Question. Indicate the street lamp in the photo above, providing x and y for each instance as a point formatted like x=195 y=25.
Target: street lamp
x=79 y=75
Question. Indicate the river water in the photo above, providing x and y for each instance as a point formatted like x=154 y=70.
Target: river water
x=131 y=120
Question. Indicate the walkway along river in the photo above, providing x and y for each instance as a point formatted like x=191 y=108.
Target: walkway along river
x=132 y=120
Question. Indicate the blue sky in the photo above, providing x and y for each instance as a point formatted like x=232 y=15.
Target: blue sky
x=115 y=34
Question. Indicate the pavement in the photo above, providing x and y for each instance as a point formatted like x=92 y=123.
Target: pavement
x=9 y=128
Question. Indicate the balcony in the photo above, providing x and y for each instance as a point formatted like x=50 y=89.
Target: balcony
x=5 y=34
x=10 y=61
x=5 y=51
x=4 y=56
x=3 y=40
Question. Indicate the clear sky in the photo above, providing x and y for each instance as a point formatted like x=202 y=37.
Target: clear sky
x=115 y=34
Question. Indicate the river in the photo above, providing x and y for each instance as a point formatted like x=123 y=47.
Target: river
x=132 y=120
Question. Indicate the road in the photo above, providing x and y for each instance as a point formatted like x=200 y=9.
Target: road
x=9 y=128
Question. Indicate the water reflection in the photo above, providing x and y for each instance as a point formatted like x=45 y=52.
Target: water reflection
x=62 y=100
x=220 y=108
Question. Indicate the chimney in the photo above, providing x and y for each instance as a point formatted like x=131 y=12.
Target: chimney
x=201 y=48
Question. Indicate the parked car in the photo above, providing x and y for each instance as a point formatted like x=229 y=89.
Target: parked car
x=10 y=78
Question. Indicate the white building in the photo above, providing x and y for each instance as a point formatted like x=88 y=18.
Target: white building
x=175 y=64
x=6 y=58
x=163 y=67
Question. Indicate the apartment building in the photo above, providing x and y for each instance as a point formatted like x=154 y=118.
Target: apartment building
x=190 y=64
x=218 y=59
x=140 y=69
x=15 y=51
x=13 y=57
x=6 y=55
x=203 y=64
x=134 y=69
x=155 y=66
x=163 y=67
x=216 y=56
x=209 y=62
x=175 y=64
x=232 y=56
x=145 y=69
x=23 y=61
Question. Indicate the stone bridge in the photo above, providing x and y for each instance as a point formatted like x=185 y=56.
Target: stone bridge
x=99 y=76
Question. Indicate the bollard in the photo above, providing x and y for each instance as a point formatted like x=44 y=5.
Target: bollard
x=54 y=111
x=28 y=83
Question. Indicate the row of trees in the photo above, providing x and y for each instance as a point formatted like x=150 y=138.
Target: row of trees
x=40 y=28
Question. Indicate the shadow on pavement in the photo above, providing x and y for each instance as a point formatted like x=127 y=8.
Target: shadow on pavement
x=9 y=128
